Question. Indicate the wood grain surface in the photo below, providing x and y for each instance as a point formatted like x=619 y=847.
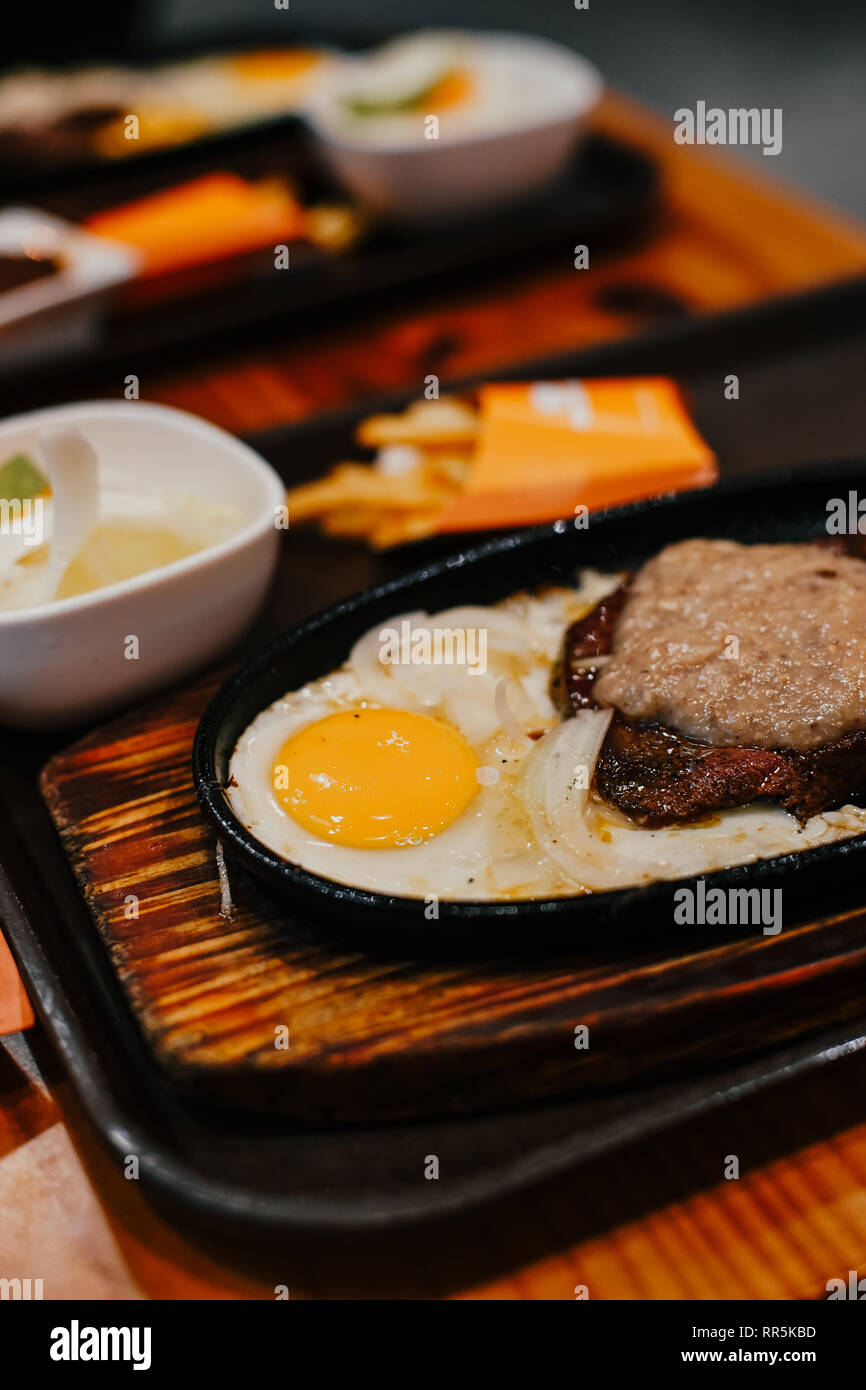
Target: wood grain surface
x=656 y=1221
x=376 y=1036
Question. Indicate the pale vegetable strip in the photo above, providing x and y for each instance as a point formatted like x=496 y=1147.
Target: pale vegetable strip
x=384 y=507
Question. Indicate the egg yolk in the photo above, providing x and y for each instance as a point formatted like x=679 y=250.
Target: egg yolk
x=375 y=778
x=273 y=65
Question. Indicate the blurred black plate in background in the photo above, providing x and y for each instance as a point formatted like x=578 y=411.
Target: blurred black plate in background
x=607 y=193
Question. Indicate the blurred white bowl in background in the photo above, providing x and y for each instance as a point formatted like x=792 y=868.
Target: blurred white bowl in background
x=518 y=133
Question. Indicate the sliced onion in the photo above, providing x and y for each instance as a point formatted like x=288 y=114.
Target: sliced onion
x=556 y=804
x=373 y=676
x=594 y=585
x=505 y=631
x=420 y=684
x=468 y=703
x=568 y=822
x=507 y=719
x=585 y=663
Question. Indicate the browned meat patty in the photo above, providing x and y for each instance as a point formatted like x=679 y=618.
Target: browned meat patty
x=659 y=777
x=743 y=646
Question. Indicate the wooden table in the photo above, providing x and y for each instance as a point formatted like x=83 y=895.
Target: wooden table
x=658 y=1220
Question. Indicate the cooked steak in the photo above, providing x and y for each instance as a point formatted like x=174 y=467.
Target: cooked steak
x=590 y=636
x=660 y=777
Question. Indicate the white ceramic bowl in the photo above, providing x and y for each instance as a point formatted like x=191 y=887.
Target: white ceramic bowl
x=65 y=661
x=415 y=179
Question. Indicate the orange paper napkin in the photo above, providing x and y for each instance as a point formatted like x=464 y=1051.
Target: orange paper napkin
x=546 y=449
x=15 y=1010
x=209 y=219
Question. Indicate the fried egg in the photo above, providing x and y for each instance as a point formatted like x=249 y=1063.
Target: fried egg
x=433 y=766
x=400 y=775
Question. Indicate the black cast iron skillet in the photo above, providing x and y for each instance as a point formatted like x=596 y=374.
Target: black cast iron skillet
x=791 y=505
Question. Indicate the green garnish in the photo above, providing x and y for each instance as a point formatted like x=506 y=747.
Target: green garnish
x=20 y=479
x=383 y=106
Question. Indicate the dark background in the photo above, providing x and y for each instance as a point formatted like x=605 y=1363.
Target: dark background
x=806 y=56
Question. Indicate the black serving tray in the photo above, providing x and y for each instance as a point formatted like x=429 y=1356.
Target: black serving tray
x=801 y=366
x=605 y=195
x=264 y=1181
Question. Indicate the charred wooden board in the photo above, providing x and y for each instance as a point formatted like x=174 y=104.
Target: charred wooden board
x=376 y=1035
